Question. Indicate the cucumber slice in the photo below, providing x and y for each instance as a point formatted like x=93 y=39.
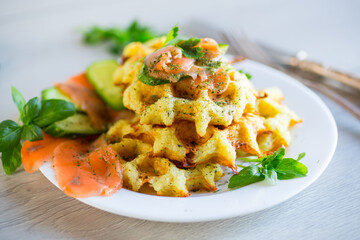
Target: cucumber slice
x=54 y=93
x=78 y=124
x=100 y=74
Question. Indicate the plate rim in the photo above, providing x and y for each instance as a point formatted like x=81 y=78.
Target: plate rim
x=93 y=201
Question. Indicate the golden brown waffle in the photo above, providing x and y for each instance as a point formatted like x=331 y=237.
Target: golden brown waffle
x=164 y=104
x=140 y=166
x=160 y=155
x=181 y=137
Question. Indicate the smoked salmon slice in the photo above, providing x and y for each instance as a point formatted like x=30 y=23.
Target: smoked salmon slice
x=83 y=172
x=81 y=80
x=34 y=154
x=82 y=93
x=83 y=168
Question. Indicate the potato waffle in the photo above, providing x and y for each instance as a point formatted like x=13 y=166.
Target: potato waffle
x=181 y=138
x=177 y=154
x=164 y=104
x=141 y=166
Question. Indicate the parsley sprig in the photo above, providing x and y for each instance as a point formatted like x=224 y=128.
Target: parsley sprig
x=118 y=38
x=34 y=115
x=189 y=48
x=172 y=35
x=273 y=167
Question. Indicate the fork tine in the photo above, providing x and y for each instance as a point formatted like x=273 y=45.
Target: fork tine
x=255 y=51
x=242 y=45
x=199 y=28
x=202 y=29
x=236 y=47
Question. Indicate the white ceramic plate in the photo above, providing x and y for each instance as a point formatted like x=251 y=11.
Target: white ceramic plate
x=317 y=136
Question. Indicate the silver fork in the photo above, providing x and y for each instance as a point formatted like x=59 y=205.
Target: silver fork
x=243 y=46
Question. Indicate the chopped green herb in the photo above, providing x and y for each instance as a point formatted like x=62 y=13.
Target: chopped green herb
x=215 y=64
x=248 y=75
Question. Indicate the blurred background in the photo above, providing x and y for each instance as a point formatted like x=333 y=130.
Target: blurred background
x=41 y=43
x=40 y=40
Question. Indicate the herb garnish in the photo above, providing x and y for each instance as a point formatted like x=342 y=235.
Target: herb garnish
x=171 y=35
x=118 y=38
x=273 y=167
x=34 y=115
x=248 y=75
x=189 y=48
x=144 y=78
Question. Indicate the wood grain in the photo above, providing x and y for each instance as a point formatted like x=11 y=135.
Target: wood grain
x=30 y=206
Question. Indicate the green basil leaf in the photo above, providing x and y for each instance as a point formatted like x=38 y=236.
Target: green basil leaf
x=54 y=110
x=144 y=78
x=172 y=34
x=289 y=168
x=10 y=134
x=11 y=159
x=31 y=132
x=270 y=175
x=17 y=98
x=246 y=176
x=301 y=156
x=271 y=161
x=31 y=110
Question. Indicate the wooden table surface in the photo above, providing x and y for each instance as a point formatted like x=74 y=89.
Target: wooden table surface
x=38 y=45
